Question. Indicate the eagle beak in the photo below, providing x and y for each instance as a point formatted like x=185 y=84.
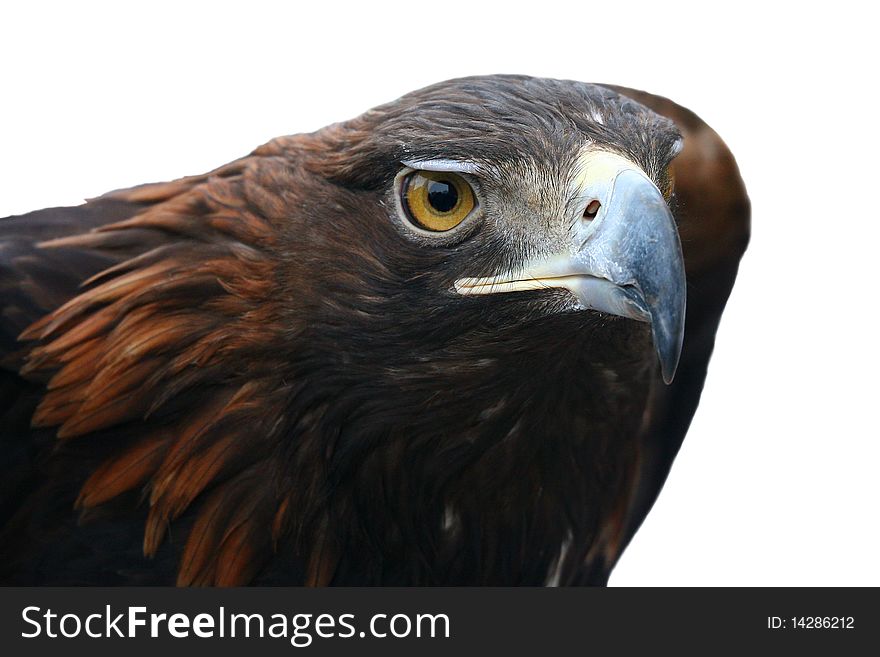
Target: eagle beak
x=625 y=260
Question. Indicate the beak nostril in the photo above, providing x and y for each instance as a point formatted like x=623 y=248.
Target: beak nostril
x=592 y=210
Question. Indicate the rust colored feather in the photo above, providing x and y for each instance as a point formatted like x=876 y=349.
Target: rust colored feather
x=280 y=520
x=124 y=473
x=77 y=372
x=80 y=361
x=230 y=538
x=197 y=563
x=196 y=457
x=175 y=490
x=221 y=445
x=243 y=553
x=159 y=192
x=148 y=329
x=186 y=444
x=112 y=290
x=55 y=408
x=89 y=328
x=151 y=257
x=323 y=560
x=141 y=334
x=111 y=400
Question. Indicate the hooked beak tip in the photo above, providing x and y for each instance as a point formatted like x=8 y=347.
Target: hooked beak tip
x=668 y=346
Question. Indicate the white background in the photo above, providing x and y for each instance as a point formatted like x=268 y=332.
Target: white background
x=777 y=481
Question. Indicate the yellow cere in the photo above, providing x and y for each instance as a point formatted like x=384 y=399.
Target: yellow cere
x=437 y=201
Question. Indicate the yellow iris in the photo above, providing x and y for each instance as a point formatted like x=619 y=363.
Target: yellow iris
x=437 y=201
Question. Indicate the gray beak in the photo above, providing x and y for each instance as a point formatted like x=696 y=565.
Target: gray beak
x=626 y=260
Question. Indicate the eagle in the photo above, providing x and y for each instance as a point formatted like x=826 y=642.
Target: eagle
x=457 y=340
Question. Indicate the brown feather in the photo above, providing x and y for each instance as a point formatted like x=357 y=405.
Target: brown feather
x=323 y=560
x=198 y=563
x=124 y=473
x=55 y=408
x=230 y=539
x=78 y=364
x=110 y=399
x=243 y=553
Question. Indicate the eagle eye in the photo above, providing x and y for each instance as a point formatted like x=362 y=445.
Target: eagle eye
x=436 y=201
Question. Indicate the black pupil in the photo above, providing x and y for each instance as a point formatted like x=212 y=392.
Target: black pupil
x=442 y=195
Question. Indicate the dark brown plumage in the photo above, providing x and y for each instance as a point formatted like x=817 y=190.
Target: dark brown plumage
x=258 y=376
